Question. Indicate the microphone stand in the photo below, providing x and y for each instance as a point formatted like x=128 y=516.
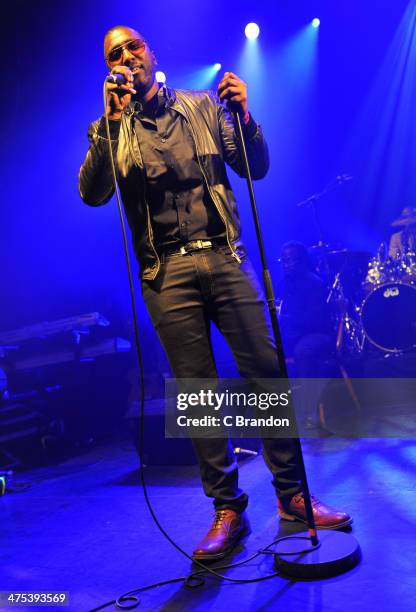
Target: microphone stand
x=313 y=200
x=314 y=562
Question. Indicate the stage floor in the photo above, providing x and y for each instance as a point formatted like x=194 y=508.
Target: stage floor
x=83 y=527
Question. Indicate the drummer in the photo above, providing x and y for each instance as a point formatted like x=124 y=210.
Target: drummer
x=304 y=323
x=304 y=315
x=404 y=239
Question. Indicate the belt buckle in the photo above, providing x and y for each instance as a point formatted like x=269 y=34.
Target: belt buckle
x=195 y=245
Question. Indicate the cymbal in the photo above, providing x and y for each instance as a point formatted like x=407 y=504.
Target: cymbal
x=338 y=252
x=324 y=249
x=402 y=222
x=407 y=217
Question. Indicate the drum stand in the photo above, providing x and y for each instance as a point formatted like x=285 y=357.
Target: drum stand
x=331 y=552
x=336 y=288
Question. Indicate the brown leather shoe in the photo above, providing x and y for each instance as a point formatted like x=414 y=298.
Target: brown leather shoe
x=325 y=516
x=226 y=531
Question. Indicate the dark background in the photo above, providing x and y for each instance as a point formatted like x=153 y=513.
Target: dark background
x=328 y=100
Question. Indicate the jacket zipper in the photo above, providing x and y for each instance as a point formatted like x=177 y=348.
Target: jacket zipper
x=149 y=224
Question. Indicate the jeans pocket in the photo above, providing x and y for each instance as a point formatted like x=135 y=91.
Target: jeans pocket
x=240 y=251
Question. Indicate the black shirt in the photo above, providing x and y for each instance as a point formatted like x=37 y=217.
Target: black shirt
x=181 y=208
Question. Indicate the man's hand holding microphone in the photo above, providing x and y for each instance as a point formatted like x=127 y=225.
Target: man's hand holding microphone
x=119 y=95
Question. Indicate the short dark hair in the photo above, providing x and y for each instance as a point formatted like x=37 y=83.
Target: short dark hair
x=113 y=29
x=301 y=249
x=296 y=244
x=119 y=27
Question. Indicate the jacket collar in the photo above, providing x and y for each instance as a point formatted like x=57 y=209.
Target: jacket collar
x=168 y=95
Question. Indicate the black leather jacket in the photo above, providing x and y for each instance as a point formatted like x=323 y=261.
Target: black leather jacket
x=215 y=142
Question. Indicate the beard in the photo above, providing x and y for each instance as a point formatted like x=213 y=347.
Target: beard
x=143 y=76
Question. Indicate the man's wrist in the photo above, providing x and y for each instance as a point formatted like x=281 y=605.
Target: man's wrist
x=249 y=126
x=114 y=125
x=246 y=118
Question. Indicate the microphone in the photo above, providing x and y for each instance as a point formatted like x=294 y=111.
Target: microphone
x=116 y=78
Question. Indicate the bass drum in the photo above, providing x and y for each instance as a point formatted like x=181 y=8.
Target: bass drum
x=388 y=317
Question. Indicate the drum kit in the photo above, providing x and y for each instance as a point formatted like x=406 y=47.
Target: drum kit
x=388 y=310
x=374 y=296
x=376 y=306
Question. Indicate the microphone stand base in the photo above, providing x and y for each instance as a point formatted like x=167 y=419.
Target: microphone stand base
x=338 y=552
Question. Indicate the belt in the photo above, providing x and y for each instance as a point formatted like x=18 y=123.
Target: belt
x=189 y=247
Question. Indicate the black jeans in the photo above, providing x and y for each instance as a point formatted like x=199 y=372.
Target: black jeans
x=190 y=292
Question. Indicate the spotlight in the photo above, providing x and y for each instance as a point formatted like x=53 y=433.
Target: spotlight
x=316 y=22
x=217 y=66
x=160 y=77
x=252 y=31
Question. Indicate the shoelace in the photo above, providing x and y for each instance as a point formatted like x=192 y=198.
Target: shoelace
x=219 y=518
x=314 y=500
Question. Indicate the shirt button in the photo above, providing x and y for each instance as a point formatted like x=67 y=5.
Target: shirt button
x=183 y=224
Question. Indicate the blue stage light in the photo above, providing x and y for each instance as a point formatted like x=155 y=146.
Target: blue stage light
x=252 y=31
x=217 y=66
x=316 y=22
x=160 y=77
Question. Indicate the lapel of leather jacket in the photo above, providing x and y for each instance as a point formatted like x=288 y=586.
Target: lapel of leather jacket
x=186 y=106
x=131 y=138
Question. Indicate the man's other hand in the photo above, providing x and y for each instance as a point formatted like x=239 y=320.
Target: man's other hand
x=233 y=90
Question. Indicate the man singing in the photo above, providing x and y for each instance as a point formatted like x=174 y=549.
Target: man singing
x=171 y=149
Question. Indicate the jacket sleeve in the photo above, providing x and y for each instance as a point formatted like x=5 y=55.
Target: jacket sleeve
x=257 y=150
x=95 y=179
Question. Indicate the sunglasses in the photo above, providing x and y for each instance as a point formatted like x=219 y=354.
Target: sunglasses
x=135 y=46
